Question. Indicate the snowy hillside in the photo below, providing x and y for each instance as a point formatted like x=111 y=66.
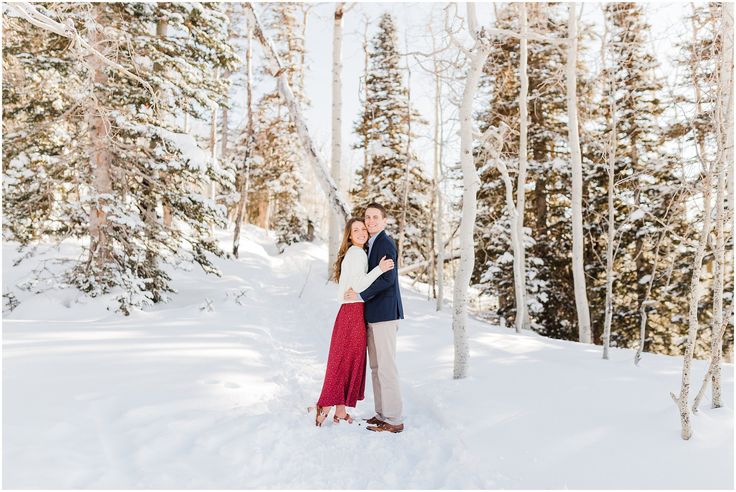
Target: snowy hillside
x=184 y=397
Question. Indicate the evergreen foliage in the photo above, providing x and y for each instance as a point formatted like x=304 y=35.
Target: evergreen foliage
x=383 y=132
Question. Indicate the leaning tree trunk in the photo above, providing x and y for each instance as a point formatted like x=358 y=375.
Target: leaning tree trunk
x=517 y=217
x=335 y=198
x=471 y=183
x=335 y=225
x=578 y=268
x=249 y=142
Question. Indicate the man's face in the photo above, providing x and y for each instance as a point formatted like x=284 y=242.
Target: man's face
x=374 y=221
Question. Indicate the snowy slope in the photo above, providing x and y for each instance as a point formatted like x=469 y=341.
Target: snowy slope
x=178 y=397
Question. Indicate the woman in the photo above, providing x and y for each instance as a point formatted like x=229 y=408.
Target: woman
x=344 y=381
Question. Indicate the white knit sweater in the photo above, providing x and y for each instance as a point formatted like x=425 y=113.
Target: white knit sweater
x=354 y=273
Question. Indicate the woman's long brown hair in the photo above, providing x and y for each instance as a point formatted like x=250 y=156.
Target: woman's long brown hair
x=344 y=246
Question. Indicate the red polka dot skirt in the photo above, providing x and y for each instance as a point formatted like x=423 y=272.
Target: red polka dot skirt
x=345 y=376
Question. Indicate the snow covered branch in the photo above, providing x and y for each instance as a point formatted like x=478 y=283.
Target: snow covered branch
x=336 y=199
x=27 y=11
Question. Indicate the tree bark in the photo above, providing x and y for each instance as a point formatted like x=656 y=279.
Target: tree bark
x=471 y=183
x=213 y=148
x=611 y=233
x=100 y=157
x=517 y=217
x=578 y=238
x=407 y=169
x=725 y=134
x=335 y=224
x=366 y=150
x=694 y=298
x=711 y=364
x=440 y=258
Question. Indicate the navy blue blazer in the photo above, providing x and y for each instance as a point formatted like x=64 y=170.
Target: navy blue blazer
x=382 y=298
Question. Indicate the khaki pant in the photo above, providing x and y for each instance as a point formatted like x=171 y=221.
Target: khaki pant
x=384 y=374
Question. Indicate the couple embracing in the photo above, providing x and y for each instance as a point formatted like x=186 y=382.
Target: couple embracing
x=368 y=318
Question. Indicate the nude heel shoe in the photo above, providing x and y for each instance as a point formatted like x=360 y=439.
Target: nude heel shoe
x=320 y=413
x=347 y=417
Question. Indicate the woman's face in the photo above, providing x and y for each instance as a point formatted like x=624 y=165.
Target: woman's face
x=358 y=234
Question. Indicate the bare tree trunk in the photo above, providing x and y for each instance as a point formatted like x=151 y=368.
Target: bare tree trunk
x=335 y=198
x=224 y=130
x=471 y=183
x=335 y=225
x=578 y=238
x=711 y=365
x=161 y=29
x=366 y=150
x=643 y=315
x=213 y=148
x=725 y=133
x=611 y=234
x=407 y=170
x=682 y=400
x=149 y=202
x=306 y=8
x=249 y=142
x=100 y=250
x=431 y=252
x=440 y=258
x=517 y=217
x=729 y=153
x=514 y=220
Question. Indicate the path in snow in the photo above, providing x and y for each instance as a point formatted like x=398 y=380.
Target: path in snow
x=180 y=398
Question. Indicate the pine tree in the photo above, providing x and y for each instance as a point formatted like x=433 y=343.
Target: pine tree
x=383 y=131
x=112 y=156
x=547 y=236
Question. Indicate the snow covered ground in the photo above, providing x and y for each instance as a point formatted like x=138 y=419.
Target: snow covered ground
x=178 y=397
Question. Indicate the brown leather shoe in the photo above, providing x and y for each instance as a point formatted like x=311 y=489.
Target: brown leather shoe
x=374 y=421
x=386 y=427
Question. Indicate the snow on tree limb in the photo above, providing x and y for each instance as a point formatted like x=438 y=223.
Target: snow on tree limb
x=336 y=199
x=27 y=11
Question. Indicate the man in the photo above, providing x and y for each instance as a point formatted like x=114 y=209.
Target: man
x=383 y=310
